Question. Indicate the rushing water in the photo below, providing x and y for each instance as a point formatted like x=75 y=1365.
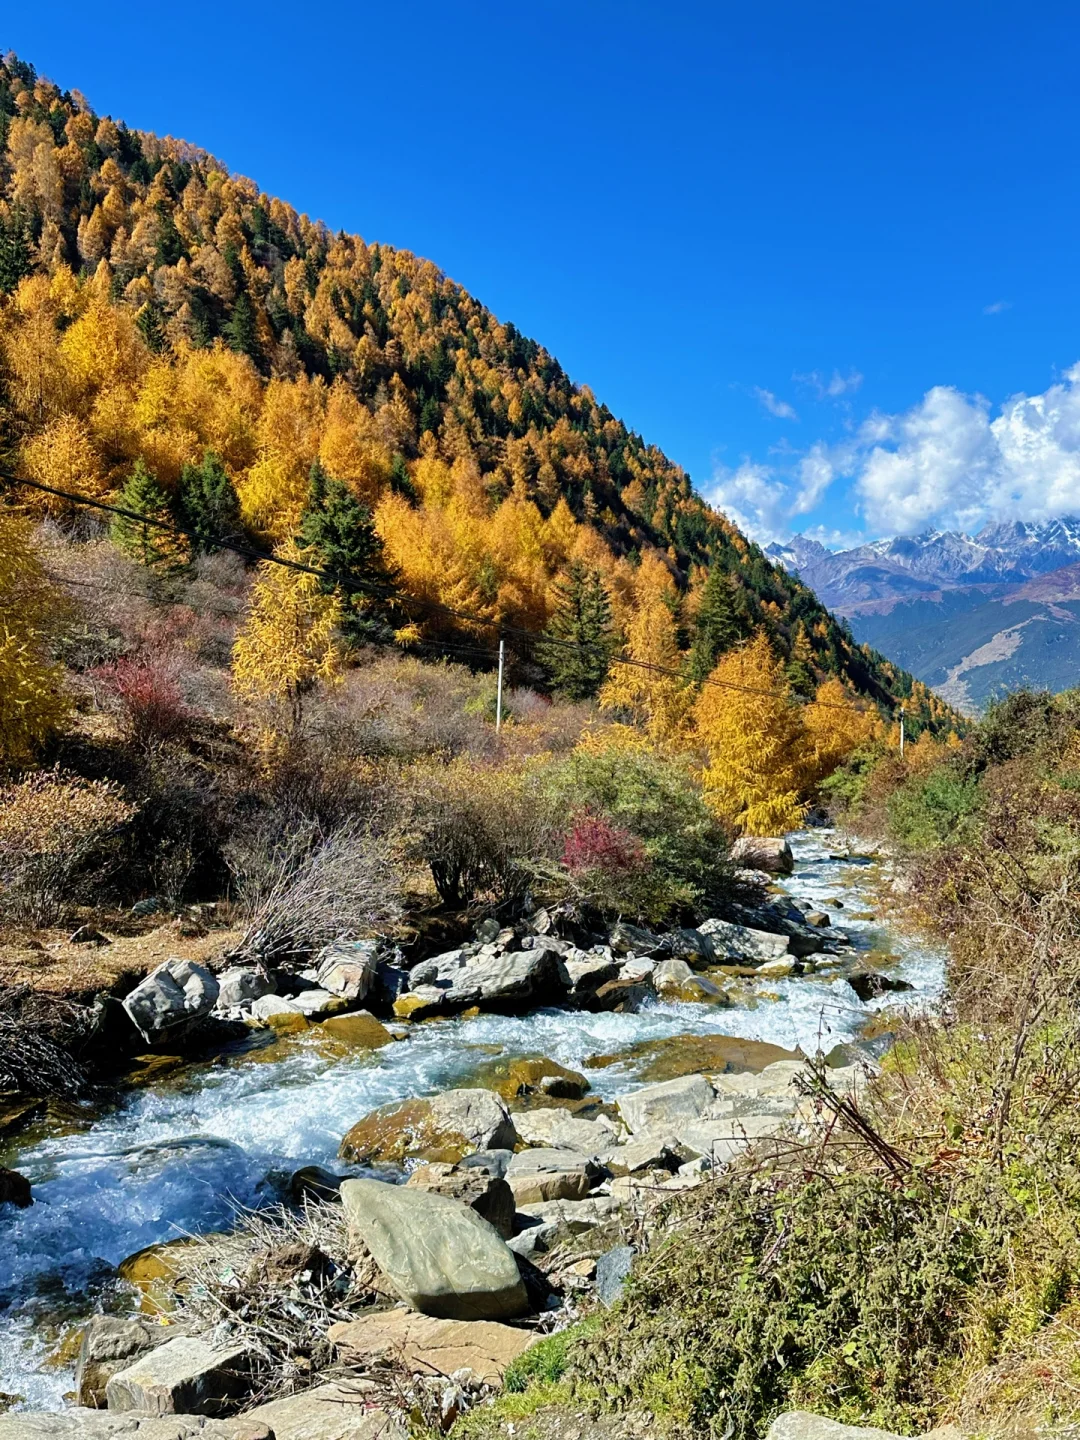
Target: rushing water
x=177 y=1157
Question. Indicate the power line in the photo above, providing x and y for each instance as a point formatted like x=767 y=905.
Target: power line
x=385 y=592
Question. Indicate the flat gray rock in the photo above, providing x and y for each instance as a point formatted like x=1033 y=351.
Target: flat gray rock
x=185 y=1376
x=660 y=1108
x=439 y=1255
x=330 y=1412
x=802 y=1425
x=81 y=1424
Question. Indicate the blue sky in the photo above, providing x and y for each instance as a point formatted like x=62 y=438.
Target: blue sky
x=816 y=252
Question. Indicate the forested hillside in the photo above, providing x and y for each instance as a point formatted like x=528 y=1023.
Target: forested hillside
x=162 y=315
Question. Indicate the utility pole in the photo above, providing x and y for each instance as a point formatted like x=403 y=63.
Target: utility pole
x=901 y=730
x=498 y=693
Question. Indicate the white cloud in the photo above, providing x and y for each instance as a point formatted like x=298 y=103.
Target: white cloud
x=830 y=387
x=950 y=461
x=753 y=497
x=775 y=406
x=816 y=473
x=997 y=307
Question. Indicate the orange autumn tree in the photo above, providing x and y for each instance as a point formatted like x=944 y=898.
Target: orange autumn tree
x=290 y=639
x=835 y=728
x=656 y=700
x=753 y=735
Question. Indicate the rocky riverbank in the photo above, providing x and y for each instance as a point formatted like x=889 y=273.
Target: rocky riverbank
x=555 y=1167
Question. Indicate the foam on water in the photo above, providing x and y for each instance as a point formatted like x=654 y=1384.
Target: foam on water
x=177 y=1157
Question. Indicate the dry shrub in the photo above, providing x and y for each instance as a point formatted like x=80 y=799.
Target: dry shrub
x=482 y=831
x=320 y=887
x=60 y=836
x=37 y=1035
x=145 y=690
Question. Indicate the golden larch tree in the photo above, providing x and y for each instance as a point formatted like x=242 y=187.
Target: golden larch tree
x=835 y=728
x=32 y=704
x=290 y=639
x=753 y=736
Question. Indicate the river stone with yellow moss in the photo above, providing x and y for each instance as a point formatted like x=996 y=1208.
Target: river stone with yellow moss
x=446 y=1127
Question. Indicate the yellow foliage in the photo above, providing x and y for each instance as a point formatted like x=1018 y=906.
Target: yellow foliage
x=835 y=728
x=31 y=703
x=64 y=455
x=753 y=736
x=289 y=641
x=658 y=702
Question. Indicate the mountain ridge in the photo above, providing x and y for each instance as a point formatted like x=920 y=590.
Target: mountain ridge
x=971 y=616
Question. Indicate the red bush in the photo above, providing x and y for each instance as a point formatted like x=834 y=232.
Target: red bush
x=595 y=844
x=148 y=697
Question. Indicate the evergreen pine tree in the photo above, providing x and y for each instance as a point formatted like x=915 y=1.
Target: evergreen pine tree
x=158 y=548
x=339 y=530
x=799 y=672
x=206 y=503
x=716 y=628
x=239 y=331
x=151 y=326
x=15 y=255
x=582 y=618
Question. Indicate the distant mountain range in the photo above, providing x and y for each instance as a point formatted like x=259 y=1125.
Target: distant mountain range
x=972 y=615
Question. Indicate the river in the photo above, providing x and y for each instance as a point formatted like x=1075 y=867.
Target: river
x=176 y=1157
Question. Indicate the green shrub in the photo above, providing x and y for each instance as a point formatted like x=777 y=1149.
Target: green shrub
x=848 y=1296
x=656 y=800
x=935 y=809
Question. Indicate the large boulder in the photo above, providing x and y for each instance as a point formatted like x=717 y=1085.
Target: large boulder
x=555 y=1129
x=660 y=1109
x=741 y=944
x=240 y=986
x=359 y=1031
x=511 y=981
x=756 y=852
x=588 y=970
x=14 y=1189
x=185 y=1376
x=446 y=1127
x=537 y=1176
x=330 y=1412
x=83 y=1424
x=627 y=939
x=106 y=1348
x=431 y=1347
x=439 y=1255
x=171 y=999
x=674 y=980
x=349 y=968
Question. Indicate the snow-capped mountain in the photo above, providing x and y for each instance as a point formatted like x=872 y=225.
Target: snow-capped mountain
x=885 y=572
x=972 y=615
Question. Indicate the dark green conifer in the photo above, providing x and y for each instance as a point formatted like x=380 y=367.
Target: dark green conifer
x=16 y=259
x=206 y=504
x=716 y=628
x=239 y=331
x=341 y=532
x=158 y=546
x=579 y=641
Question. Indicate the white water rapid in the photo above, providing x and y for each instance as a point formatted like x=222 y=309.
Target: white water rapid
x=175 y=1157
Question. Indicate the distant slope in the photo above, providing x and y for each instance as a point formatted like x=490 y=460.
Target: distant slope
x=973 y=617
